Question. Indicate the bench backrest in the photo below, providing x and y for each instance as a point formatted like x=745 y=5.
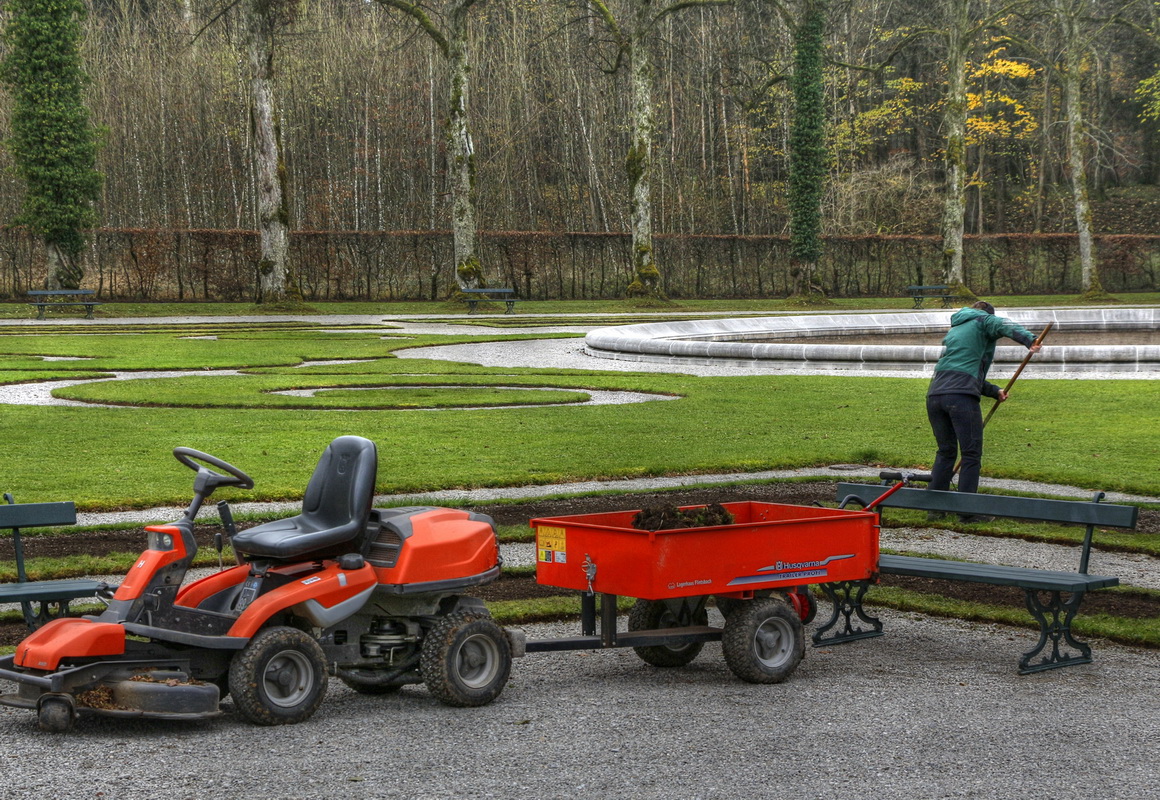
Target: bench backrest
x=1078 y=512
x=934 y=288
x=59 y=292
x=15 y=516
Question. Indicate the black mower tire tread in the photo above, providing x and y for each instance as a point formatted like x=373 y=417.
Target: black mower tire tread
x=249 y=667
x=646 y=615
x=439 y=658
x=776 y=620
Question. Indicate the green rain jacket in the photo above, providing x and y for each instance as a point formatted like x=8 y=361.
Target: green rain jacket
x=970 y=349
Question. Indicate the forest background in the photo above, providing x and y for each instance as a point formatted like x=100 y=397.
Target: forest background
x=362 y=103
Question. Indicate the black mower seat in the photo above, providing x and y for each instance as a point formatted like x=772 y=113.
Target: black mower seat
x=334 y=508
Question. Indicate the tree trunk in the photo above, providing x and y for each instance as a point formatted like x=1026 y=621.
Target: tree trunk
x=646 y=277
x=955 y=158
x=1068 y=17
x=273 y=211
x=460 y=154
x=62 y=271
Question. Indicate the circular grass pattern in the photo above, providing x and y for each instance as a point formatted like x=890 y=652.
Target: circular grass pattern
x=266 y=392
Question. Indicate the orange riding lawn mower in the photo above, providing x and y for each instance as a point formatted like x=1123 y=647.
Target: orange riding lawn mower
x=373 y=596
x=378 y=597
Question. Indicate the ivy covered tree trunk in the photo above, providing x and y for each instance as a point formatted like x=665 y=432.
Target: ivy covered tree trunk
x=955 y=157
x=270 y=168
x=52 y=140
x=460 y=153
x=646 y=277
x=808 y=154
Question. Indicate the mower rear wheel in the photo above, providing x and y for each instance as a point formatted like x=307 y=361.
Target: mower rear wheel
x=763 y=640
x=55 y=714
x=279 y=678
x=466 y=660
x=649 y=615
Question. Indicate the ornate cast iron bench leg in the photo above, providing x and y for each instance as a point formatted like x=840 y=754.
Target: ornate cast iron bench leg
x=846 y=601
x=1054 y=618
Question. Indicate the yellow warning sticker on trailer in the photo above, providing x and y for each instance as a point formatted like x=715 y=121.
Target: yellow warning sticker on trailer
x=551 y=544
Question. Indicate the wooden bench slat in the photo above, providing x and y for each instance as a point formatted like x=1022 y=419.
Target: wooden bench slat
x=48 y=591
x=37 y=515
x=995 y=574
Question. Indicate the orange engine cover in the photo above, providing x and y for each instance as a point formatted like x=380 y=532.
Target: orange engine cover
x=434 y=544
x=63 y=639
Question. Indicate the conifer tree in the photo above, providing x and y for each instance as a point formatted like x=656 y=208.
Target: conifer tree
x=52 y=140
x=807 y=148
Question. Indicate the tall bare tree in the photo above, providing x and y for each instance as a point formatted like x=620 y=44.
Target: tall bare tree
x=451 y=41
x=262 y=19
x=632 y=40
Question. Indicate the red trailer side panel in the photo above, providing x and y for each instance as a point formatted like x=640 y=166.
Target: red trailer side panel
x=769 y=545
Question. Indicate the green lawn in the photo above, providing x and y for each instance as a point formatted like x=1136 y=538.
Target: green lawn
x=1093 y=434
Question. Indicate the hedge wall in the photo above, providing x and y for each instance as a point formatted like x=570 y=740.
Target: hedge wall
x=414 y=265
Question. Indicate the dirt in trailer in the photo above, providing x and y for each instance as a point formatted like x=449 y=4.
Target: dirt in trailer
x=515 y=588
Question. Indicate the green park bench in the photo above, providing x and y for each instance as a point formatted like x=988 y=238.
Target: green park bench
x=475 y=296
x=41 y=601
x=1053 y=615
x=920 y=294
x=45 y=299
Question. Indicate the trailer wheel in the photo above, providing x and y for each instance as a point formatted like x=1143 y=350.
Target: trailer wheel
x=763 y=640
x=466 y=660
x=649 y=615
x=279 y=678
x=55 y=714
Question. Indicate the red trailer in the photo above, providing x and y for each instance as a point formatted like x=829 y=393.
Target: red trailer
x=756 y=568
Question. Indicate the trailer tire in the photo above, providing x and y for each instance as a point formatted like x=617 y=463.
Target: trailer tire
x=763 y=640
x=279 y=678
x=649 y=615
x=466 y=659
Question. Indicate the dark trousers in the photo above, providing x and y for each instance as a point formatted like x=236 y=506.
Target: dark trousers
x=957 y=423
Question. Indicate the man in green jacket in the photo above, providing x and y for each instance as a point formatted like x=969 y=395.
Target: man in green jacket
x=960 y=378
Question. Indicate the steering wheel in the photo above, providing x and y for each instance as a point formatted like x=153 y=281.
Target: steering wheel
x=189 y=457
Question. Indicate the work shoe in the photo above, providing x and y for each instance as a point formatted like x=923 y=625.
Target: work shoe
x=970 y=519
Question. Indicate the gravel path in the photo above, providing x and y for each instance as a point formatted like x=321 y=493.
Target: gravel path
x=934 y=709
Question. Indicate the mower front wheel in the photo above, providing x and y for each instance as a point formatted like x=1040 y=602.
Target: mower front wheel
x=279 y=678
x=55 y=713
x=466 y=660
